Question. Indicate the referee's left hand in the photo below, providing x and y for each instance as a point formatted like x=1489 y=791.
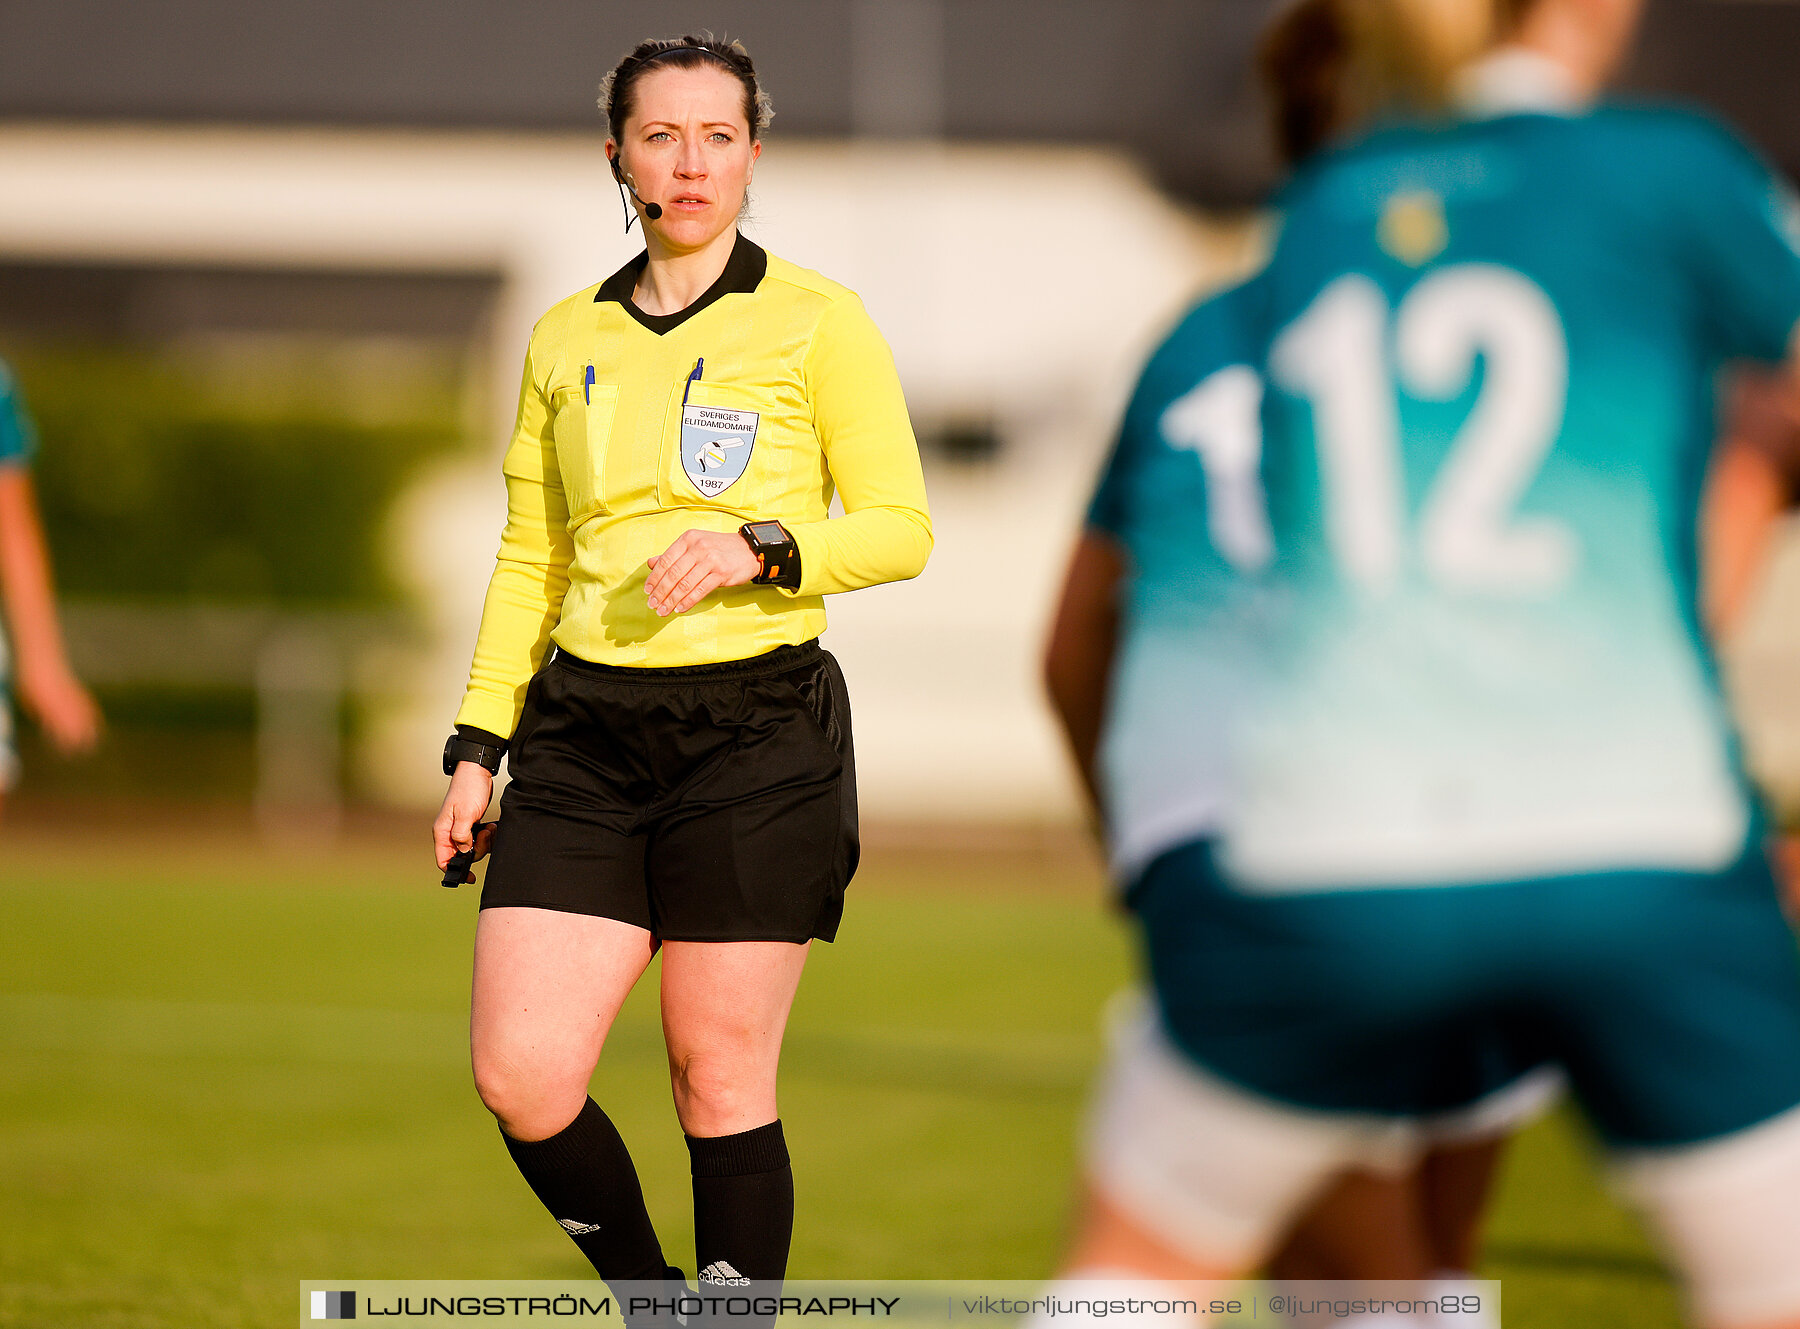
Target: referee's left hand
x=694 y=567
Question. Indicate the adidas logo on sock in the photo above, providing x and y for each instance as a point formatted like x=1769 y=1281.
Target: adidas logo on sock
x=578 y=1229
x=723 y=1274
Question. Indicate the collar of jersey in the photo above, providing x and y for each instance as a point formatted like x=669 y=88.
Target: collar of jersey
x=1516 y=81
x=744 y=271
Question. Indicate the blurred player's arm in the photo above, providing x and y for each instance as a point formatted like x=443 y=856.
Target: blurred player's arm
x=1745 y=498
x=1078 y=660
x=1738 y=227
x=47 y=686
x=1748 y=489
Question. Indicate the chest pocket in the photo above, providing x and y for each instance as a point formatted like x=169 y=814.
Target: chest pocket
x=584 y=424
x=721 y=449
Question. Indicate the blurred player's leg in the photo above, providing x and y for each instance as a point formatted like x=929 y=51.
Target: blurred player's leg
x=9 y=761
x=1111 y=1242
x=1424 y=1227
x=1116 y=1254
x=1191 y=1178
x=1364 y=1226
x=1454 y=1183
x=1211 y=1171
x=1368 y=1226
x=1729 y=1213
x=1371 y=1226
x=1681 y=1036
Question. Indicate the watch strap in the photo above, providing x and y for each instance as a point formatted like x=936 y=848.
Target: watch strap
x=780 y=559
x=458 y=749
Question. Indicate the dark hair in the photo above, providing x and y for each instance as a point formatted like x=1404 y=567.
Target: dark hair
x=1356 y=58
x=617 y=89
x=1303 y=59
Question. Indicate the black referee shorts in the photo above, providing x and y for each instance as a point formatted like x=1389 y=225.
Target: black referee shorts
x=711 y=803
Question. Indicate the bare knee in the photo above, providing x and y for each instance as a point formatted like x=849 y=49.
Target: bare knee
x=1109 y=1238
x=721 y=1095
x=531 y=1102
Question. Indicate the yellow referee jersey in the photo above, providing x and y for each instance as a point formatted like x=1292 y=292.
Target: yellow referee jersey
x=758 y=400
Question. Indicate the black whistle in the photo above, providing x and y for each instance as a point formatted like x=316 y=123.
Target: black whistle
x=456 y=871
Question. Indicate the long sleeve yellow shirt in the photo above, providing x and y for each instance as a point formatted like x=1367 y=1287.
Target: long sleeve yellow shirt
x=760 y=400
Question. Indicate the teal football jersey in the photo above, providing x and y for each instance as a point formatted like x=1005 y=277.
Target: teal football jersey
x=16 y=441
x=1490 y=357
x=1181 y=496
x=17 y=437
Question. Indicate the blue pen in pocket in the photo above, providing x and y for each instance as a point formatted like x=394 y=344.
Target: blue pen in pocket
x=587 y=388
x=699 y=364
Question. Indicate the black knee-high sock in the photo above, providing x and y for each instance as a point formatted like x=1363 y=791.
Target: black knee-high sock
x=743 y=1205
x=585 y=1178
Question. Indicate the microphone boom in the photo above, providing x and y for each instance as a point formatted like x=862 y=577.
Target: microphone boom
x=651 y=210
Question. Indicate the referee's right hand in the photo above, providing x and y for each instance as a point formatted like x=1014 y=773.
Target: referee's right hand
x=471 y=789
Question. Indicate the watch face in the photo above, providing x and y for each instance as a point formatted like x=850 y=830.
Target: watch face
x=768 y=532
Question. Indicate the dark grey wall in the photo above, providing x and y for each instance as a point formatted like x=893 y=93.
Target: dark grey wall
x=127 y=303
x=514 y=63
x=1166 y=78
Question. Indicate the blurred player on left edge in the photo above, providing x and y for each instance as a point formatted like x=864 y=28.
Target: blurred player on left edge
x=39 y=666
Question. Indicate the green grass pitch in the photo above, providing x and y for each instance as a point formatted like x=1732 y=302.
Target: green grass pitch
x=218 y=1077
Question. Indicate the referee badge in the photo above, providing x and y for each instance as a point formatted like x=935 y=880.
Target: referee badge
x=715 y=446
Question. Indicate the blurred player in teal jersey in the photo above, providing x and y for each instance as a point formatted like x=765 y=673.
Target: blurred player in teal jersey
x=38 y=665
x=1154 y=654
x=1487 y=795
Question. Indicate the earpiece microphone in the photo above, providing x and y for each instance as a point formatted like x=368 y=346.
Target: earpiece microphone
x=651 y=210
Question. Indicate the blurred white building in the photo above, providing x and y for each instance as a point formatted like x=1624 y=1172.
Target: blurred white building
x=1019 y=288
x=997 y=178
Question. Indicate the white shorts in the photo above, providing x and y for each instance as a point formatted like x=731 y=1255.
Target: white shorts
x=1218 y=1173
x=1509 y=1108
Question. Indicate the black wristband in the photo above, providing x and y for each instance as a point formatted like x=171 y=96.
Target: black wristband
x=458 y=749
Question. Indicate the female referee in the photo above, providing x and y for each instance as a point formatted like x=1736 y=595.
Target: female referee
x=1487 y=795
x=680 y=744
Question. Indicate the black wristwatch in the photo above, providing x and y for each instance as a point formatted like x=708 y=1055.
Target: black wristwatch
x=458 y=749
x=775 y=548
